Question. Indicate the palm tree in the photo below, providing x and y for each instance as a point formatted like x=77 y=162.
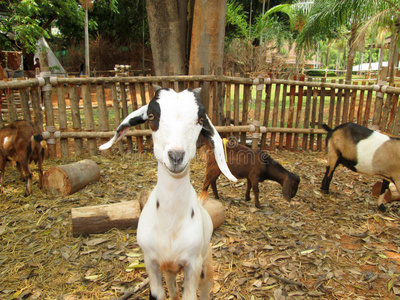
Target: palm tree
x=386 y=18
x=297 y=12
x=327 y=16
x=241 y=48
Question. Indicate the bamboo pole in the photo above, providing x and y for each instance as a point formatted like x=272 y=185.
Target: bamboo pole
x=361 y=105
x=353 y=100
x=299 y=110
x=62 y=119
x=292 y=98
x=331 y=105
x=245 y=111
x=125 y=112
x=89 y=119
x=339 y=104
x=257 y=114
x=275 y=115
x=236 y=106
x=268 y=88
x=117 y=112
x=76 y=117
x=283 y=116
x=37 y=110
x=12 y=110
x=321 y=113
x=307 y=112
x=24 y=98
x=48 y=105
x=103 y=113
x=220 y=129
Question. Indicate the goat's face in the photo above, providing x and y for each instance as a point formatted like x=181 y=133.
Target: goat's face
x=176 y=120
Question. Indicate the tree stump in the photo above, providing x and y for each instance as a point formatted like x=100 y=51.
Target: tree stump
x=68 y=179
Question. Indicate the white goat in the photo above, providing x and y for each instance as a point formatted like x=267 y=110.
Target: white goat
x=174 y=229
x=365 y=151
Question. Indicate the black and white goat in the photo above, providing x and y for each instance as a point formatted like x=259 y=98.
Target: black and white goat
x=174 y=229
x=365 y=151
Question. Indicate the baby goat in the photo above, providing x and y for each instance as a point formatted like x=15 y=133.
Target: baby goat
x=365 y=151
x=174 y=230
x=22 y=142
x=256 y=166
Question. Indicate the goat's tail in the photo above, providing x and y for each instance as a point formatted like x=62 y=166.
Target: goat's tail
x=327 y=128
x=330 y=131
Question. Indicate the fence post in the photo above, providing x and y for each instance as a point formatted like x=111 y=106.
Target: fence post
x=259 y=83
x=62 y=119
x=89 y=119
x=76 y=117
x=48 y=105
x=379 y=97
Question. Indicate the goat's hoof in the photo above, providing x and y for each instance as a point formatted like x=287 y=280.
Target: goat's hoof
x=326 y=192
x=382 y=208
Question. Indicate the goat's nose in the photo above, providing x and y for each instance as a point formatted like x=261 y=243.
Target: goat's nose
x=176 y=156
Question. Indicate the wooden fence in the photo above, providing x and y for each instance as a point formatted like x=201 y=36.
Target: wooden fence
x=78 y=114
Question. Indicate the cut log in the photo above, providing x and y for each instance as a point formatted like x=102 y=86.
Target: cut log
x=216 y=210
x=101 y=218
x=391 y=193
x=68 y=179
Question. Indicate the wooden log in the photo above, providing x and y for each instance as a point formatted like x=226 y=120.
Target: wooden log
x=68 y=179
x=101 y=218
x=215 y=208
x=391 y=193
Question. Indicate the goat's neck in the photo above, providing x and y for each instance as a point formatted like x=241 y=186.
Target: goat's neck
x=173 y=191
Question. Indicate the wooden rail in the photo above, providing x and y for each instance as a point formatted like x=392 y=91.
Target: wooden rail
x=270 y=113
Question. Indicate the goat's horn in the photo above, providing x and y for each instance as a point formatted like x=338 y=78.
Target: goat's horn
x=139 y=116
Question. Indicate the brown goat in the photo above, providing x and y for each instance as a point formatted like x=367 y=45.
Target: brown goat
x=256 y=166
x=22 y=142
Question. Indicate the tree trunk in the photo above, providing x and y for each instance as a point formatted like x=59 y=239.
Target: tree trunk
x=393 y=52
x=207 y=46
x=167 y=25
x=352 y=52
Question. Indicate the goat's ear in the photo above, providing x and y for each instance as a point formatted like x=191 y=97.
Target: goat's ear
x=137 y=117
x=211 y=133
x=156 y=87
x=197 y=90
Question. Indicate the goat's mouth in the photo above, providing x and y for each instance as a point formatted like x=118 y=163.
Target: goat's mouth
x=176 y=169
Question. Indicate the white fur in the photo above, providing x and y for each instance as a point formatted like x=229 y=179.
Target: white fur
x=174 y=229
x=366 y=149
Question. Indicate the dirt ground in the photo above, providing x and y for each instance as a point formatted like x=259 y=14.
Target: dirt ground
x=336 y=246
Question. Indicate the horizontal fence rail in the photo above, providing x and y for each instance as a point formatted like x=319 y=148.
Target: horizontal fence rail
x=78 y=114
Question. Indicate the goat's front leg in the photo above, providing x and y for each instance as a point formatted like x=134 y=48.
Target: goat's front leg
x=20 y=171
x=206 y=277
x=155 y=280
x=170 y=279
x=248 y=188
x=2 y=169
x=192 y=273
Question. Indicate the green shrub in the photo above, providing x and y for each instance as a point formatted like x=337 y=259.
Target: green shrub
x=319 y=73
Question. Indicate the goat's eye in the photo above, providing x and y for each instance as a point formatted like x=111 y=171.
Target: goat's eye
x=201 y=121
x=150 y=116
